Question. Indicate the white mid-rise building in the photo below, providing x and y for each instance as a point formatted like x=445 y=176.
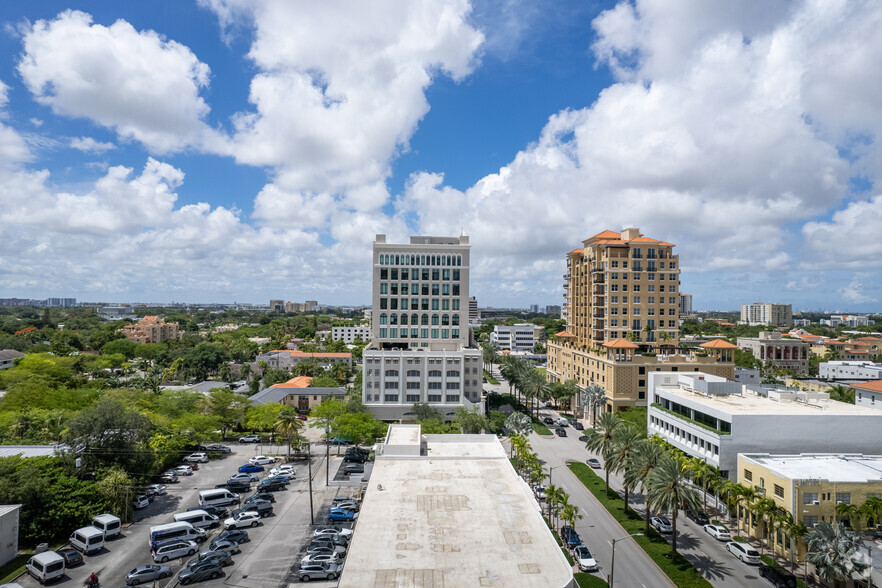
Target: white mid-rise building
x=715 y=419
x=849 y=320
x=850 y=370
x=520 y=337
x=764 y=313
x=350 y=334
x=685 y=304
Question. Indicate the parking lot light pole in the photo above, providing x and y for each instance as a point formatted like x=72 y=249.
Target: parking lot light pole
x=550 y=469
x=612 y=563
x=309 y=465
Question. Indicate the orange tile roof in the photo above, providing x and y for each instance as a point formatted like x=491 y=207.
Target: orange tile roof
x=297 y=353
x=666 y=244
x=564 y=334
x=718 y=344
x=298 y=382
x=643 y=240
x=574 y=251
x=620 y=344
x=875 y=386
x=606 y=235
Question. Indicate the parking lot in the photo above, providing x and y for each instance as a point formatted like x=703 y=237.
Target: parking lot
x=267 y=559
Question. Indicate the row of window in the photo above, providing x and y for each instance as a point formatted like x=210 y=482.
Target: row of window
x=414 y=259
x=450 y=398
x=395 y=333
x=424 y=275
x=635 y=287
x=415 y=319
x=614 y=264
x=635 y=326
x=636 y=311
x=418 y=289
x=417 y=304
x=649 y=300
x=689 y=437
x=417 y=361
x=416 y=373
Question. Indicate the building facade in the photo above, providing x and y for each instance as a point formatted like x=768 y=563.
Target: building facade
x=764 y=313
x=849 y=320
x=783 y=353
x=685 y=304
x=622 y=310
x=288 y=358
x=715 y=419
x=151 y=329
x=474 y=313
x=350 y=334
x=868 y=394
x=8 y=357
x=297 y=393
x=552 y=310
x=419 y=349
x=850 y=370
x=520 y=337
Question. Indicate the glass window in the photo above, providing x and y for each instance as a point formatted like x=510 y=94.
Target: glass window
x=456 y=275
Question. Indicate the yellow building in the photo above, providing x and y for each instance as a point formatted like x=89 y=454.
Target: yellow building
x=808 y=486
x=151 y=329
x=622 y=319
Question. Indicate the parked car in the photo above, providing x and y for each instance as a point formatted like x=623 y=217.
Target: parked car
x=218 y=448
x=250 y=468
x=140 y=501
x=311 y=570
x=287 y=470
x=539 y=490
x=355 y=457
x=348 y=505
x=560 y=432
x=220 y=546
x=718 y=532
x=744 y=552
x=184 y=470
x=197 y=457
x=247 y=476
x=777 y=577
x=340 y=441
x=283 y=478
x=221 y=558
x=168 y=477
x=147 y=573
x=698 y=517
x=332 y=531
x=584 y=438
x=583 y=557
x=162 y=552
x=218 y=511
x=248 y=518
x=320 y=557
x=326 y=547
x=72 y=557
x=265 y=496
x=234 y=535
x=156 y=489
x=240 y=486
x=661 y=524
x=569 y=536
x=250 y=439
x=341 y=514
x=271 y=485
x=330 y=539
x=353 y=468
x=200 y=571
x=548 y=420
x=261 y=460
x=578 y=426
x=262 y=508
x=594 y=463
x=339 y=499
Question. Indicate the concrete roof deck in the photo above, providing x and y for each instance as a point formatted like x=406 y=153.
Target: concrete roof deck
x=851 y=468
x=457 y=517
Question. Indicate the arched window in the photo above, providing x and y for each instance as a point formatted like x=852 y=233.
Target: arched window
x=383 y=318
x=445 y=320
x=452 y=373
x=403 y=319
x=434 y=373
x=414 y=319
x=425 y=319
x=393 y=319
x=413 y=373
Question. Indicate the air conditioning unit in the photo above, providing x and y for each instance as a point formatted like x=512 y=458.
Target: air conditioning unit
x=839 y=502
x=815 y=502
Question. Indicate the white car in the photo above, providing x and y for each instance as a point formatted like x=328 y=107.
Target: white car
x=140 y=501
x=261 y=460
x=244 y=476
x=282 y=470
x=157 y=489
x=348 y=505
x=332 y=531
x=320 y=557
x=246 y=518
x=744 y=552
x=583 y=557
x=197 y=457
x=718 y=532
x=540 y=492
x=661 y=524
x=184 y=470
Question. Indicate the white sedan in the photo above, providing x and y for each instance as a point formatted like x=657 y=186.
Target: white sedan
x=140 y=502
x=661 y=524
x=583 y=557
x=246 y=518
x=320 y=557
x=325 y=531
x=261 y=460
x=718 y=532
x=184 y=470
x=282 y=470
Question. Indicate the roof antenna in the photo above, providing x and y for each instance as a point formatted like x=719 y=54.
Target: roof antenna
x=461 y=226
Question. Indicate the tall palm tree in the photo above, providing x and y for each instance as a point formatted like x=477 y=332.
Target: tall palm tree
x=797 y=531
x=765 y=508
x=747 y=495
x=667 y=489
x=288 y=426
x=834 y=551
x=570 y=514
x=603 y=438
x=595 y=397
x=646 y=457
x=553 y=494
x=872 y=510
x=625 y=443
x=852 y=513
x=536 y=387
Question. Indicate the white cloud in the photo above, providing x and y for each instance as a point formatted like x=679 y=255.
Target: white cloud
x=13 y=148
x=850 y=239
x=90 y=145
x=139 y=84
x=854 y=292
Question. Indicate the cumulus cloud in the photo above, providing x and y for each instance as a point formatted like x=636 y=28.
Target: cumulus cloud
x=850 y=239
x=90 y=145
x=137 y=83
x=854 y=292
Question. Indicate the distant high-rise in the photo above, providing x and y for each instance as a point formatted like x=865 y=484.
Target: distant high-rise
x=764 y=313
x=474 y=313
x=552 y=310
x=685 y=304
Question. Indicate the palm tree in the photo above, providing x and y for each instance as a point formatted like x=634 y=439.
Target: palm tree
x=519 y=445
x=764 y=507
x=626 y=441
x=797 y=530
x=603 y=438
x=646 y=457
x=834 y=551
x=667 y=489
x=872 y=510
x=553 y=494
x=595 y=397
x=536 y=387
x=570 y=514
x=852 y=513
x=489 y=352
x=747 y=495
x=288 y=426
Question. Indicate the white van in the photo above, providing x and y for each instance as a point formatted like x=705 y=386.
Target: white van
x=88 y=540
x=107 y=524
x=562 y=422
x=217 y=497
x=198 y=518
x=179 y=530
x=46 y=566
x=173 y=550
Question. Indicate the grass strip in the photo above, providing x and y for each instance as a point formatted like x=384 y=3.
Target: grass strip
x=490 y=378
x=682 y=573
x=10 y=570
x=585 y=580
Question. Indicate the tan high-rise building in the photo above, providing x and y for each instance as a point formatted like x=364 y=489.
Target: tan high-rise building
x=622 y=299
x=764 y=313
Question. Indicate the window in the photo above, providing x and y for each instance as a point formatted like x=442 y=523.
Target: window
x=383 y=304
x=636 y=298
x=810 y=521
x=413 y=385
x=391 y=386
x=779 y=491
x=434 y=386
x=384 y=288
x=434 y=397
x=452 y=373
x=453 y=385
x=456 y=275
x=412 y=397
x=390 y=397
x=452 y=398
x=391 y=373
x=843 y=497
x=809 y=497
x=748 y=475
x=637 y=289
x=413 y=373
x=434 y=373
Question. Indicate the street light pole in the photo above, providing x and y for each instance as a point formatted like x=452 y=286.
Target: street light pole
x=612 y=564
x=547 y=498
x=309 y=466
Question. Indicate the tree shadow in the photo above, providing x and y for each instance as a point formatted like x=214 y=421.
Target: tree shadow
x=686 y=540
x=708 y=567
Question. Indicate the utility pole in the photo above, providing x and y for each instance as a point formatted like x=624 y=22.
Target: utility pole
x=328 y=452
x=309 y=462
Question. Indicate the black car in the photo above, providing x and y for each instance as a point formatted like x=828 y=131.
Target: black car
x=260 y=497
x=777 y=577
x=578 y=426
x=218 y=511
x=561 y=432
x=264 y=509
x=271 y=485
x=234 y=535
x=72 y=557
x=700 y=518
x=200 y=571
x=584 y=438
x=548 y=420
x=355 y=457
x=238 y=486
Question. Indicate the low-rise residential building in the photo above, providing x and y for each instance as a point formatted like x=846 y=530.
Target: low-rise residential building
x=297 y=393
x=868 y=394
x=8 y=357
x=850 y=370
x=784 y=353
x=809 y=486
x=450 y=510
x=764 y=313
x=520 y=337
x=288 y=358
x=801 y=322
x=350 y=334
x=849 y=320
x=713 y=418
x=747 y=375
x=151 y=329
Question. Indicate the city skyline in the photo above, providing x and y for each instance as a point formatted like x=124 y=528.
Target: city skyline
x=218 y=151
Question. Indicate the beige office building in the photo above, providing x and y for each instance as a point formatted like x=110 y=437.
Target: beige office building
x=622 y=299
x=763 y=313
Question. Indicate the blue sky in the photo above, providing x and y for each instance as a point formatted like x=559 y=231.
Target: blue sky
x=222 y=150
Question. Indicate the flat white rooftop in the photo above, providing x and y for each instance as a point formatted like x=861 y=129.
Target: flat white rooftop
x=851 y=468
x=456 y=516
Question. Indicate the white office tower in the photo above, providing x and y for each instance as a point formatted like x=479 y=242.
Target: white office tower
x=419 y=329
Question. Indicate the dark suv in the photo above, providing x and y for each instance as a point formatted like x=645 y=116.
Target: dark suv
x=777 y=577
x=239 y=486
x=271 y=485
x=264 y=509
x=355 y=457
x=699 y=517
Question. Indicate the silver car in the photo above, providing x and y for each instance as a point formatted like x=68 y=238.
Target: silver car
x=147 y=573
x=327 y=570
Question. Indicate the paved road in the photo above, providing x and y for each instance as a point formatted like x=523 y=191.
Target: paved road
x=598 y=528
